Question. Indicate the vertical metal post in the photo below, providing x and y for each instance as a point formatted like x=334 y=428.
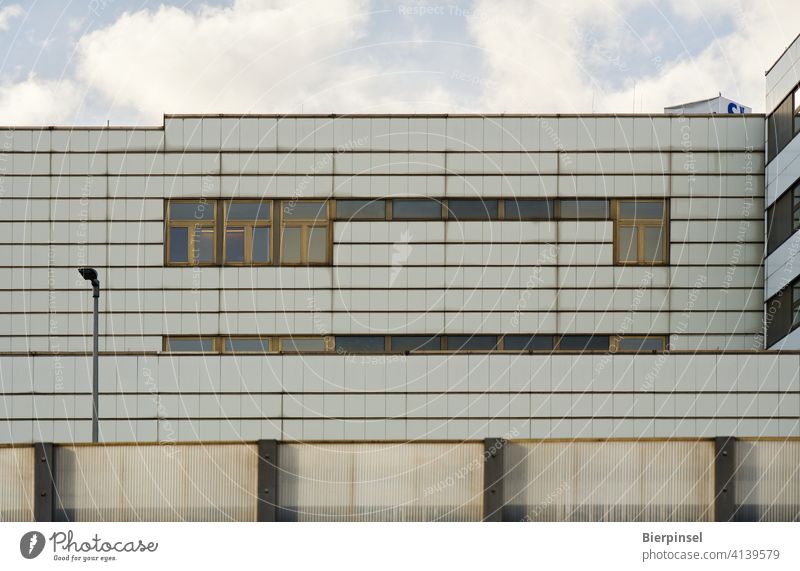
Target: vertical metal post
x=44 y=490
x=267 y=480
x=95 y=372
x=724 y=478
x=493 y=472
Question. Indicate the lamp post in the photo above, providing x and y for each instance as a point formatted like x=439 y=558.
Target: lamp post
x=90 y=275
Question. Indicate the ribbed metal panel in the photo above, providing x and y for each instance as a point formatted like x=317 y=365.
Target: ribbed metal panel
x=380 y=482
x=157 y=483
x=16 y=484
x=768 y=480
x=609 y=481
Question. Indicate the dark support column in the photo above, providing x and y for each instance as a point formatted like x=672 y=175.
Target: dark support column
x=493 y=471
x=267 y=480
x=44 y=487
x=724 y=478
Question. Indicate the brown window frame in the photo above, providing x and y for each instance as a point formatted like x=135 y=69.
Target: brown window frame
x=305 y=225
x=248 y=226
x=641 y=224
x=191 y=226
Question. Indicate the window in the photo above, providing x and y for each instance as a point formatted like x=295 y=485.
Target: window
x=583 y=209
x=637 y=344
x=407 y=343
x=304 y=234
x=247 y=232
x=303 y=344
x=360 y=210
x=782 y=124
x=190 y=344
x=780 y=222
x=471 y=342
x=247 y=345
x=534 y=209
x=640 y=233
x=416 y=209
x=583 y=343
x=360 y=344
x=528 y=343
x=795 y=305
x=472 y=209
x=190 y=232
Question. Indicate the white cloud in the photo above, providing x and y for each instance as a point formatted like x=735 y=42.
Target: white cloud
x=254 y=56
x=7 y=14
x=536 y=52
x=36 y=101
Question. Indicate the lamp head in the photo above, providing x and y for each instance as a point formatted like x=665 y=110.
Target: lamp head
x=89 y=274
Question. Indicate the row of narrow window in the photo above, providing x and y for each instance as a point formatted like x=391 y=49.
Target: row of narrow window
x=783 y=124
x=373 y=344
x=244 y=232
x=783 y=312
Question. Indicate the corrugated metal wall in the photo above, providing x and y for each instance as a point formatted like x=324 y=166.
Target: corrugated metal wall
x=381 y=482
x=609 y=481
x=157 y=483
x=16 y=484
x=768 y=480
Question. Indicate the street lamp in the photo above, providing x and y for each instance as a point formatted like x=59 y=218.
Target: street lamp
x=90 y=275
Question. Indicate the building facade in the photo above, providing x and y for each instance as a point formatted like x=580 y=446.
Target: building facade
x=403 y=277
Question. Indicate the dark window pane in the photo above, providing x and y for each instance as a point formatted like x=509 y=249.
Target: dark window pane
x=402 y=343
x=305 y=210
x=247 y=345
x=779 y=316
x=179 y=244
x=204 y=244
x=584 y=343
x=640 y=344
x=261 y=244
x=471 y=342
x=467 y=209
x=318 y=245
x=294 y=345
x=191 y=210
x=241 y=210
x=528 y=209
x=633 y=209
x=290 y=244
x=653 y=249
x=416 y=209
x=626 y=244
x=590 y=209
x=191 y=344
x=360 y=344
x=528 y=342
x=779 y=221
x=360 y=209
x=234 y=244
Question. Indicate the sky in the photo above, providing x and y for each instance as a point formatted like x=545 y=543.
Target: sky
x=128 y=62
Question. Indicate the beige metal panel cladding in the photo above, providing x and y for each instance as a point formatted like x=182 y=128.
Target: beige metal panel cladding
x=157 y=483
x=16 y=484
x=768 y=480
x=381 y=482
x=609 y=481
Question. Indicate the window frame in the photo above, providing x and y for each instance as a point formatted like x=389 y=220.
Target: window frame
x=305 y=226
x=249 y=226
x=191 y=226
x=640 y=224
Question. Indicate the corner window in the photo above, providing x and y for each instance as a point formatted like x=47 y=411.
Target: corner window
x=304 y=232
x=640 y=232
x=247 y=232
x=191 y=232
